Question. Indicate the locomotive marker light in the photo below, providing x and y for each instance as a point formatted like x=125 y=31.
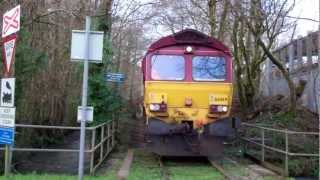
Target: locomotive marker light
x=189 y=49
x=85 y=46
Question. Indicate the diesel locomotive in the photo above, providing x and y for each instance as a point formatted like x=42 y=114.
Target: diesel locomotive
x=188 y=92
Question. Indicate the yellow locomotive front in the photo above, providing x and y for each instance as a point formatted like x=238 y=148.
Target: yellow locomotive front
x=187 y=93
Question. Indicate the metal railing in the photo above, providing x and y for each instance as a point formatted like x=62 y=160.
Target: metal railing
x=261 y=142
x=105 y=133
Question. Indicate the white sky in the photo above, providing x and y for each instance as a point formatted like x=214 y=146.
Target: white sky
x=306 y=9
x=303 y=9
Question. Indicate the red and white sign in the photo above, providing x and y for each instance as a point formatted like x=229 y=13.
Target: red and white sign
x=11 y=21
x=9 y=46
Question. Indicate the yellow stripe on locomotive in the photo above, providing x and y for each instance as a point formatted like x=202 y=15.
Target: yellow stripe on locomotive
x=199 y=102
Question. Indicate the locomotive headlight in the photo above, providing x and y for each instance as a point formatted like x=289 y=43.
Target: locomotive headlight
x=218 y=109
x=224 y=108
x=158 y=107
x=154 y=107
x=189 y=49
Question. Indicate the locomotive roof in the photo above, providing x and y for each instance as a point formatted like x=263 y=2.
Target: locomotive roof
x=189 y=36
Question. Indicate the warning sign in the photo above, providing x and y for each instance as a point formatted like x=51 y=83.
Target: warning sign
x=11 y=22
x=9 y=46
x=7 y=92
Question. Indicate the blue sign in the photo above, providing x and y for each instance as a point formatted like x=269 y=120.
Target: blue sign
x=114 y=77
x=6 y=135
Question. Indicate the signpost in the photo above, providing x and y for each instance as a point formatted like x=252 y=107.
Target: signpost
x=11 y=22
x=85 y=46
x=7 y=123
x=78 y=47
x=7 y=92
x=10 y=25
x=114 y=77
x=9 y=45
x=85 y=114
x=6 y=135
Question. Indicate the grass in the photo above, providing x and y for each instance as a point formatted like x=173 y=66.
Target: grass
x=198 y=171
x=54 y=177
x=145 y=166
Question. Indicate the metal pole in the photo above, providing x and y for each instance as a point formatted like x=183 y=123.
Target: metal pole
x=93 y=144
x=263 y=144
x=84 y=101
x=101 y=146
x=287 y=152
x=7 y=161
x=319 y=88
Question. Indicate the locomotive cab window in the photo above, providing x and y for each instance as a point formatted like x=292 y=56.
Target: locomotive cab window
x=208 y=68
x=167 y=67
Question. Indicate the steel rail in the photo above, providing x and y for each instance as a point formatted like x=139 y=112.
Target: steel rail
x=164 y=171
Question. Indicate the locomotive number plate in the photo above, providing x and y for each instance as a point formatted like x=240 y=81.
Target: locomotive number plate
x=218 y=99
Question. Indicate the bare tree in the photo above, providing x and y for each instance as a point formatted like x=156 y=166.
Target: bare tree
x=273 y=22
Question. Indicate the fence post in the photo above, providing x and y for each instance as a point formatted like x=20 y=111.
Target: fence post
x=93 y=142
x=262 y=151
x=287 y=156
x=102 y=143
x=112 y=134
x=108 y=138
x=7 y=165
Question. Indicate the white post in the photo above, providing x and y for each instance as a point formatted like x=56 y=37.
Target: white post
x=84 y=101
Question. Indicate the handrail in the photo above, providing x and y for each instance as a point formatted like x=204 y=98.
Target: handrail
x=286 y=152
x=281 y=130
x=107 y=133
x=60 y=127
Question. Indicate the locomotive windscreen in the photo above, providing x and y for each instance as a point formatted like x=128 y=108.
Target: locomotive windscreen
x=208 y=68
x=167 y=67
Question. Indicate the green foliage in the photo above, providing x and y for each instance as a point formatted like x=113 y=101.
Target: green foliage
x=56 y=177
x=105 y=100
x=28 y=61
x=303 y=167
x=284 y=118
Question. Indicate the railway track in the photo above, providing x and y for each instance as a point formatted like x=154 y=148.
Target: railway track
x=216 y=165
x=164 y=170
x=167 y=168
x=232 y=170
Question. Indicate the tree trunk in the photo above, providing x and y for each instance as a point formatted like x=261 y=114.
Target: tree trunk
x=285 y=73
x=212 y=5
x=223 y=21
